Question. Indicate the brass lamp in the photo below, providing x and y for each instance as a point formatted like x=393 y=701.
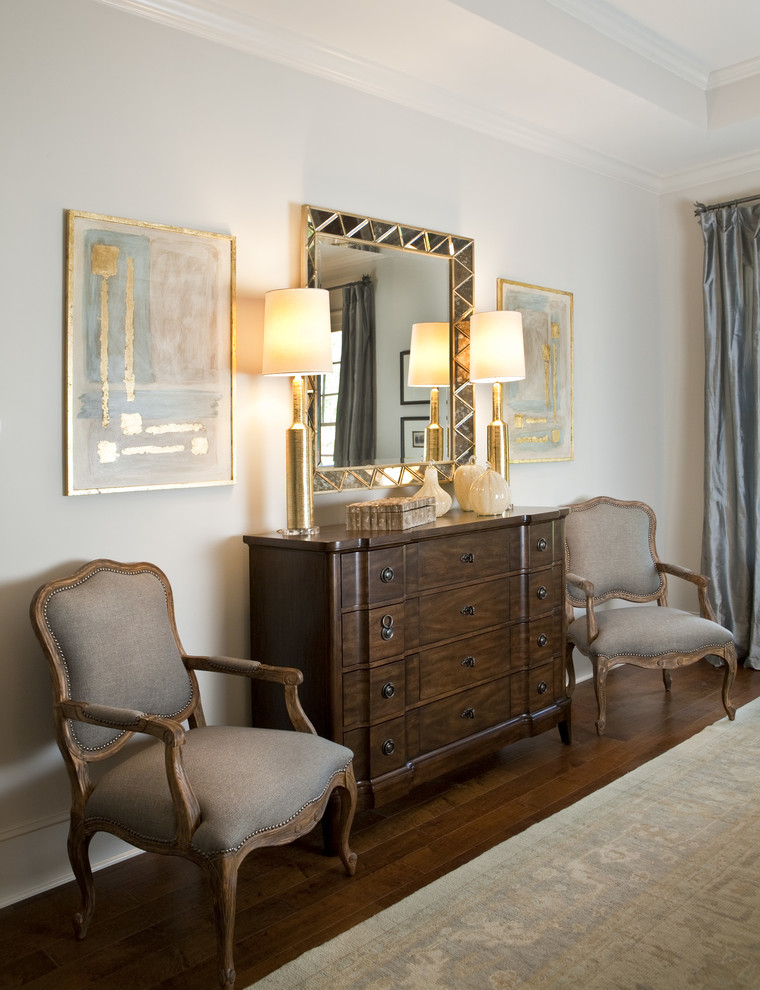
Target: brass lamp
x=429 y=367
x=497 y=354
x=297 y=343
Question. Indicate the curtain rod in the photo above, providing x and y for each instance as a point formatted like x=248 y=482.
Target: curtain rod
x=701 y=208
x=359 y=281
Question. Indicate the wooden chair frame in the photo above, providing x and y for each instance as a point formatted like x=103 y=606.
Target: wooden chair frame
x=221 y=870
x=666 y=661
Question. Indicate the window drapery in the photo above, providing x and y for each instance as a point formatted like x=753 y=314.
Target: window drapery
x=731 y=288
x=355 y=417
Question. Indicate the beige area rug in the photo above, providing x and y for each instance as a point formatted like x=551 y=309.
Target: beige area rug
x=651 y=883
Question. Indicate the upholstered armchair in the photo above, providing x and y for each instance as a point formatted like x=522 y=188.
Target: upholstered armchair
x=610 y=554
x=211 y=794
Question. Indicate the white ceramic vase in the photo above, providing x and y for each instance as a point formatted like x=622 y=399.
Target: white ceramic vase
x=431 y=486
x=490 y=495
x=464 y=478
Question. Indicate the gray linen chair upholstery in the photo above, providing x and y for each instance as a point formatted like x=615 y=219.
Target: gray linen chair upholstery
x=209 y=793
x=610 y=554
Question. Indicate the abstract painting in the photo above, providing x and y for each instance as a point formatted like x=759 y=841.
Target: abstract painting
x=150 y=349
x=539 y=409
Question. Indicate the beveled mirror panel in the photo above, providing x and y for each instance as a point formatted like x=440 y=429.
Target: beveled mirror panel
x=409 y=275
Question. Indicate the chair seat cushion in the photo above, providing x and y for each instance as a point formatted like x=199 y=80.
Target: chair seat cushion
x=648 y=631
x=246 y=780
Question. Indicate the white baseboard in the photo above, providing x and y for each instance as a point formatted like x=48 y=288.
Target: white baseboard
x=33 y=858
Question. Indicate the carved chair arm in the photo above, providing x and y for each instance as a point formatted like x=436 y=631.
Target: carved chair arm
x=699 y=580
x=586 y=588
x=171 y=733
x=289 y=677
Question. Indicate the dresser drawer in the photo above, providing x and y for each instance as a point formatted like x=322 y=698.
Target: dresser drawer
x=371 y=577
x=374 y=694
x=443 y=722
x=465 y=662
x=373 y=634
x=539 y=640
x=472 y=557
x=546 y=591
x=463 y=611
x=539 y=687
x=544 y=545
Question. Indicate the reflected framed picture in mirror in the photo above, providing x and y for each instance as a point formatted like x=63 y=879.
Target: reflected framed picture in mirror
x=413 y=438
x=411 y=395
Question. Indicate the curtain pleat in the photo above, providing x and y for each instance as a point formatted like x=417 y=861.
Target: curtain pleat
x=731 y=287
x=355 y=427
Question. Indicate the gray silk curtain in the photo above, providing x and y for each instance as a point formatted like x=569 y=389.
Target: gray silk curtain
x=355 y=416
x=731 y=286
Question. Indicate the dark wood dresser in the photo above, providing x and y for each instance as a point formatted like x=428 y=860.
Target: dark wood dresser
x=421 y=650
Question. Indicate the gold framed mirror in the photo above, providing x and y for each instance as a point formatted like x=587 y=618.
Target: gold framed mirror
x=437 y=274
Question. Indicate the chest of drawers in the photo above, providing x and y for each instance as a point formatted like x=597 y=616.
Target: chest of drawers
x=421 y=650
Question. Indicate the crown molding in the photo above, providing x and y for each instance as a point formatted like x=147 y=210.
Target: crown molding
x=214 y=21
x=211 y=21
x=727 y=168
x=734 y=73
x=617 y=26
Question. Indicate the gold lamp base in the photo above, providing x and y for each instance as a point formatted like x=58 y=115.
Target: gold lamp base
x=434 y=442
x=497 y=437
x=299 y=469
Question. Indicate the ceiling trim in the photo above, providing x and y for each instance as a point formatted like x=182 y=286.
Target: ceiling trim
x=295 y=51
x=211 y=20
x=728 y=168
x=614 y=24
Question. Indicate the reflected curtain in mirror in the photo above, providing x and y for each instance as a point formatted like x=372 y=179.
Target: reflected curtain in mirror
x=355 y=417
x=731 y=288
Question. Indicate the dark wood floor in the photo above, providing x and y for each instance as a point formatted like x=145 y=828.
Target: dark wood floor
x=152 y=925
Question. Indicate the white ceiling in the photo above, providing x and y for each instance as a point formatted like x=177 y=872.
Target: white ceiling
x=661 y=93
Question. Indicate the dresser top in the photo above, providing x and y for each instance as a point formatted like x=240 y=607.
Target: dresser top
x=338 y=537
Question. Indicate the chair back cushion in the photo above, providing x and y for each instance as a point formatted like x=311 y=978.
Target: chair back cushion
x=116 y=641
x=611 y=544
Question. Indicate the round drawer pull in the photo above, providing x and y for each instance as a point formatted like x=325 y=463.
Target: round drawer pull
x=386 y=627
x=468 y=558
x=542 y=544
x=542 y=640
x=468 y=662
x=542 y=593
x=389 y=689
x=543 y=687
x=388 y=747
x=468 y=713
x=468 y=610
x=387 y=574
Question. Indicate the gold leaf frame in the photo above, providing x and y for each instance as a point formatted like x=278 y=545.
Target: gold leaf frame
x=150 y=356
x=459 y=251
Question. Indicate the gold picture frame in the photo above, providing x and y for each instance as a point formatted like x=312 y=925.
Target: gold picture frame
x=539 y=409
x=150 y=356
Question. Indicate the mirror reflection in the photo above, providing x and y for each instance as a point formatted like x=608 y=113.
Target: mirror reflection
x=376 y=296
x=383 y=278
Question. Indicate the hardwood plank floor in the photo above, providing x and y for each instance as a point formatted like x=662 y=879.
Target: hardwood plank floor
x=153 y=927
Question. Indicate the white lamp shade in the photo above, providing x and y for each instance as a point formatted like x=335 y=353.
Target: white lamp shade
x=429 y=355
x=297 y=332
x=497 y=352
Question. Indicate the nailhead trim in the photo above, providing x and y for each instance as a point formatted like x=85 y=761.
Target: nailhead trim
x=69 y=587
x=230 y=849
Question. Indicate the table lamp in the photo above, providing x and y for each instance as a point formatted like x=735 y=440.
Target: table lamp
x=430 y=367
x=297 y=343
x=497 y=354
